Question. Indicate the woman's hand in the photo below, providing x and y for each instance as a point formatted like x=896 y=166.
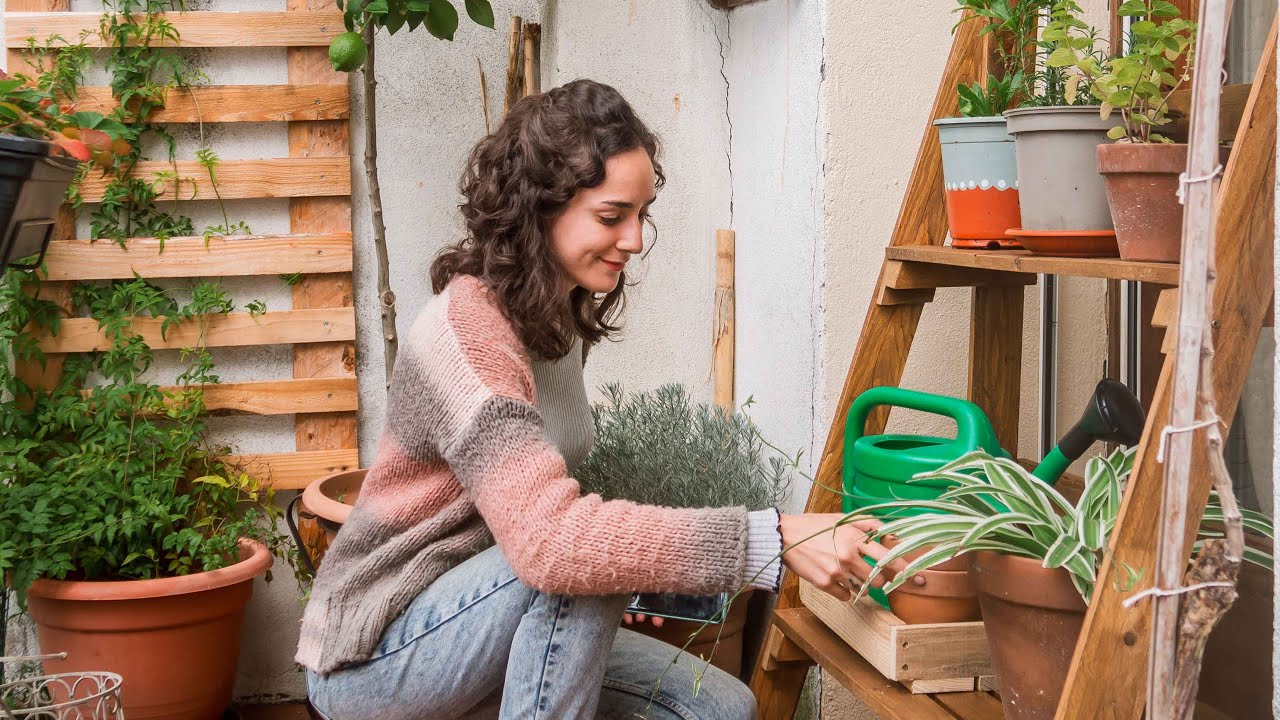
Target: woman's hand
x=628 y=618
x=828 y=560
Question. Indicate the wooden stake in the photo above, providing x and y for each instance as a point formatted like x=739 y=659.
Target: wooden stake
x=386 y=298
x=484 y=95
x=1193 y=394
x=722 y=341
x=532 y=59
x=513 y=66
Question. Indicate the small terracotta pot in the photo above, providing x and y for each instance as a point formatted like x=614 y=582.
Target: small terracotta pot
x=330 y=499
x=960 y=562
x=1142 y=190
x=175 y=641
x=1033 y=618
x=947 y=596
x=728 y=655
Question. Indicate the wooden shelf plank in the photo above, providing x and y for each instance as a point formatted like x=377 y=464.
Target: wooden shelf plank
x=242 y=179
x=282 y=397
x=235 y=103
x=888 y=699
x=281 y=327
x=183 y=257
x=295 y=470
x=197 y=29
x=1025 y=262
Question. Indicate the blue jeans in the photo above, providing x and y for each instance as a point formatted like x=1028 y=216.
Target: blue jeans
x=478 y=643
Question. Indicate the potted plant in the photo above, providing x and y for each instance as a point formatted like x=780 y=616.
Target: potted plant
x=130 y=543
x=1142 y=167
x=1056 y=132
x=979 y=166
x=1036 y=557
x=42 y=142
x=662 y=448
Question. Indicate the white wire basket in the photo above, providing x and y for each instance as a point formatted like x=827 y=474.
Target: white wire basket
x=61 y=696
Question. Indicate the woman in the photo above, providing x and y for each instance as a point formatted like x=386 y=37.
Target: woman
x=472 y=579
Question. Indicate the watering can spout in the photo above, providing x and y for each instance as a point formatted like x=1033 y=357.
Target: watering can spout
x=1113 y=415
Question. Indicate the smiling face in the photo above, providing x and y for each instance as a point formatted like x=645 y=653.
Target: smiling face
x=602 y=227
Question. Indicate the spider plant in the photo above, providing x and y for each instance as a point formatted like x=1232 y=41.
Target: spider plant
x=999 y=505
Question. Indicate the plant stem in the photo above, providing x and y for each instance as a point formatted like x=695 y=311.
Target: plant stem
x=386 y=298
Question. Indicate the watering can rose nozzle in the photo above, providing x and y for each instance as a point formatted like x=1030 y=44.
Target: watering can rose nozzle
x=1114 y=414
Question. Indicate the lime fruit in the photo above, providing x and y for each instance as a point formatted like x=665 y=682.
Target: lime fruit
x=346 y=52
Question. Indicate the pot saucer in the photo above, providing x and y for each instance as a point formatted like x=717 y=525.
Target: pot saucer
x=986 y=244
x=1068 y=243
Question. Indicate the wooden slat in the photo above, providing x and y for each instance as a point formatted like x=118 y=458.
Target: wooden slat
x=197 y=29
x=1024 y=262
x=243 y=179
x=1108 y=673
x=295 y=470
x=190 y=257
x=995 y=358
x=324 y=139
x=235 y=103
x=282 y=397
x=901 y=275
x=888 y=699
x=281 y=327
x=972 y=706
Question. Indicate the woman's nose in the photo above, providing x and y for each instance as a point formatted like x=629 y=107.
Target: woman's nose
x=632 y=240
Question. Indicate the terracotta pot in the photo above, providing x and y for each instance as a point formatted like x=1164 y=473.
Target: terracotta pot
x=960 y=562
x=981 y=177
x=728 y=655
x=175 y=641
x=330 y=499
x=947 y=596
x=1033 y=618
x=1142 y=190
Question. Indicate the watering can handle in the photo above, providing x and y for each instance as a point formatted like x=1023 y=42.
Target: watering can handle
x=972 y=426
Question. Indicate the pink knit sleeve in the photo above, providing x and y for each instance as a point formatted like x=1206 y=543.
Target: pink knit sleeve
x=555 y=539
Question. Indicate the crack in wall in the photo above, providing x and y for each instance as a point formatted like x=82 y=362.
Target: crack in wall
x=728 y=117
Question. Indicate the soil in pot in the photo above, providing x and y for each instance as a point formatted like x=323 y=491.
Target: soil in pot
x=1033 y=617
x=175 y=641
x=981 y=178
x=1142 y=190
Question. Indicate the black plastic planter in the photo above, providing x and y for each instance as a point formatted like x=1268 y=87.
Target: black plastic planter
x=32 y=186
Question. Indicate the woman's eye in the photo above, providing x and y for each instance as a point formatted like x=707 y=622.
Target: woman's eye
x=610 y=220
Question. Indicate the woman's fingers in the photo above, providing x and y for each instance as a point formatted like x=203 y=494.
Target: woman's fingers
x=626 y=618
x=657 y=621
x=876 y=551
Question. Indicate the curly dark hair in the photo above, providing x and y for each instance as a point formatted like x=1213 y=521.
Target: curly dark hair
x=517 y=181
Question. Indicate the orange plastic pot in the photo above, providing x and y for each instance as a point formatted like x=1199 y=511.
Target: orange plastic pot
x=175 y=641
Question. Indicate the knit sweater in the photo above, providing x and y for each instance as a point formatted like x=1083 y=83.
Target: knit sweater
x=472 y=454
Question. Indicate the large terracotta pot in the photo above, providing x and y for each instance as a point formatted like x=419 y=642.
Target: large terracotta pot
x=175 y=641
x=1033 y=618
x=728 y=655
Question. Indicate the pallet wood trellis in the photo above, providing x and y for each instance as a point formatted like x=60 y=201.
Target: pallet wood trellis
x=1108 y=677
x=316 y=177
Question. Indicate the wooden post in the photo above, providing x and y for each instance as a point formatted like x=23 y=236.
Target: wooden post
x=532 y=58
x=1194 y=332
x=321 y=431
x=722 y=341
x=513 y=66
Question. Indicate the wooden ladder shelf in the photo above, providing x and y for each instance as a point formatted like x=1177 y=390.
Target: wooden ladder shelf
x=1108 y=674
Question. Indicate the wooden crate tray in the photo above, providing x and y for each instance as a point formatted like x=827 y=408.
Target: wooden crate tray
x=933 y=658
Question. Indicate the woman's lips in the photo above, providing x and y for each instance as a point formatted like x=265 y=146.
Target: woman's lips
x=614 y=266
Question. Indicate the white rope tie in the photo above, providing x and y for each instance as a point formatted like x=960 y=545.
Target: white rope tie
x=1163 y=592
x=1169 y=430
x=1184 y=181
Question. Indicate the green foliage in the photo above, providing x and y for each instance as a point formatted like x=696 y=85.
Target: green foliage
x=1065 y=40
x=1018 y=21
x=999 y=505
x=1139 y=83
x=991 y=100
x=439 y=17
x=107 y=475
x=662 y=448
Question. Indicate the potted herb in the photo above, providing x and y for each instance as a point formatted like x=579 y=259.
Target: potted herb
x=1035 y=561
x=1142 y=167
x=979 y=166
x=662 y=448
x=130 y=543
x=42 y=142
x=1056 y=132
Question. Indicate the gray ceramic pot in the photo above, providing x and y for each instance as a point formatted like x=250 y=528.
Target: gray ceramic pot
x=1059 y=185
